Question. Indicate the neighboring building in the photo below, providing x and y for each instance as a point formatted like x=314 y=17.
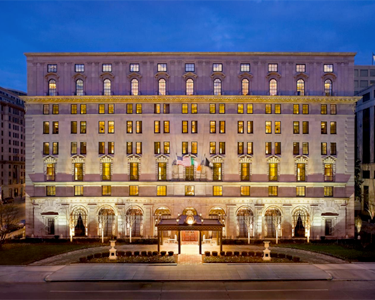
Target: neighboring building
x=12 y=157
x=366 y=145
x=364 y=76
x=113 y=135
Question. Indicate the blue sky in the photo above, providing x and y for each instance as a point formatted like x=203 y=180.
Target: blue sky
x=273 y=25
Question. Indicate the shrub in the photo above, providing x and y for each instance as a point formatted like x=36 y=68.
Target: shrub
x=120 y=253
x=222 y=253
x=163 y=253
x=281 y=255
x=236 y=253
x=149 y=253
x=289 y=257
x=214 y=253
x=105 y=254
x=229 y=253
x=259 y=254
x=83 y=259
x=273 y=254
x=90 y=257
x=207 y=253
x=136 y=253
x=144 y=253
x=128 y=253
x=170 y=253
x=154 y=253
x=244 y=253
x=296 y=259
x=97 y=255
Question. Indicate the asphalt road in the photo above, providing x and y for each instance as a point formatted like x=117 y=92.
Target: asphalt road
x=191 y=290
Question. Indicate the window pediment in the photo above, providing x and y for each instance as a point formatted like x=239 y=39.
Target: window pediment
x=51 y=76
x=50 y=160
x=331 y=76
x=79 y=76
x=107 y=75
x=160 y=75
x=134 y=75
x=301 y=159
x=190 y=75
x=303 y=76
x=219 y=75
x=133 y=158
x=78 y=159
x=246 y=75
x=162 y=158
x=217 y=159
x=329 y=160
x=273 y=75
x=245 y=159
x=106 y=159
x=273 y=159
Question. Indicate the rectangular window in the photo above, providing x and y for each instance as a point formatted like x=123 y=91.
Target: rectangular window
x=240 y=148
x=101 y=126
x=134 y=67
x=78 y=190
x=45 y=148
x=194 y=108
x=107 y=67
x=129 y=108
x=300 y=68
x=138 y=127
x=212 y=108
x=273 y=191
x=305 y=148
x=217 y=67
x=73 y=109
x=50 y=221
x=156 y=126
x=305 y=127
x=185 y=148
x=129 y=147
x=79 y=68
x=295 y=127
x=245 y=191
x=277 y=148
x=333 y=128
x=277 y=108
x=333 y=149
x=296 y=109
x=134 y=172
x=273 y=172
x=194 y=126
x=323 y=126
x=221 y=108
x=245 y=68
x=184 y=108
x=189 y=67
x=45 y=109
x=185 y=127
x=323 y=109
x=240 y=127
x=272 y=67
x=166 y=108
x=166 y=148
x=221 y=147
x=301 y=174
x=55 y=127
x=217 y=190
x=268 y=127
x=162 y=67
x=73 y=127
x=101 y=109
x=328 y=172
x=240 y=108
x=129 y=126
x=73 y=148
x=83 y=148
x=111 y=126
x=138 y=148
x=268 y=148
x=245 y=171
x=328 y=191
x=51 y=68
x=249 y=108
x=305 y=109
x=157 y=108
x=333 y=109
x=106 y=190
x=162 y=171
x=157 y=149
x=189 y=173
x=212 y=147
x=101 y=149
x=221 y=126
x=189 y=190
x=106 y=171
x=55 y=109
x=277 y=127
x=78 y=172
x=328 y=68
x=50 y=191
x=250 y=148
x=296 y=148
x=111 y=108
x=323 y=149
x=111 y=147
x=268 y=109
x=212 y=126
x=83 y=109
x=194 y=148
x=217 y=172
x=300 y=191
x=138 y=108
x=55 y=148
x=161 y=190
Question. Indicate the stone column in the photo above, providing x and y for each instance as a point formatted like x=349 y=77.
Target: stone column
x=92 y=221
x=148 y=225
x=231 y=221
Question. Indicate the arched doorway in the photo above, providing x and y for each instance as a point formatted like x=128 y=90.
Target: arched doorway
x=245 y=219
x=134 y=218
x=162 y=212
x=300 y=222
x=272 y=222
x=107 y=222
x=189 y=235
x=78 y=222
x=217 y=212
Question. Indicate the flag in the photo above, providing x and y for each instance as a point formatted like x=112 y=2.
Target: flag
x=187 y=161
x=179 y=160
x=198 y=166
x=207 y=163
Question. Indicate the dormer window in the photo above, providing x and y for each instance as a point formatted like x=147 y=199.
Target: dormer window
x=328 y=68
x=134 y=67
x=79 y=68
x=189 y=67
x=245 y=68
x=51 y=68
x=217 y=67
x=107 y=68
x=300 y=68
x=162 y=67
x=272 y=67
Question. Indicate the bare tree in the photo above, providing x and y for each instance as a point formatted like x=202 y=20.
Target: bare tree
x=8 y=220
x=358 y=224
x=130 y=220
x=248 y=219
x=276 y=219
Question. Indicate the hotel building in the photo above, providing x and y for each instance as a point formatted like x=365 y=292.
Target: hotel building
x=262 y=141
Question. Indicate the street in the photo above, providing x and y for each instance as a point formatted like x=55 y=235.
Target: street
x=190 y=290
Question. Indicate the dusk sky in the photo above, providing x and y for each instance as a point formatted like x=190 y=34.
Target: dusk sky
x=121 y=26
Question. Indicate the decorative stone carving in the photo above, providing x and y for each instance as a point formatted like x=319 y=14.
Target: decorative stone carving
x=189 y=75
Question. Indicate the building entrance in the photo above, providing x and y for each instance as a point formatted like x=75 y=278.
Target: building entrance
x=189 y=236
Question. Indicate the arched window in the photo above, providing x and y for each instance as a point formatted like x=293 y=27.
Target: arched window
x=134 y=87
x=79 y=87
x=52 y=87
x=217 y=86
x=162 y=86
x=273 y=87
x=328 y=87
x=189 y=87
x=245 y=87
x=78 y=222
x=107 y=222
x=272 y=222
x=107 y=87
x=134 y=220
x=245 y=219
x=300 y=87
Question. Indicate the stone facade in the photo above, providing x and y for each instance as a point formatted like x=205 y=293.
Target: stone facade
x=364 y=76
x=222 y=110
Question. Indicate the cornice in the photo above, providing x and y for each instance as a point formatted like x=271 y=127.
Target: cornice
x=192 y=98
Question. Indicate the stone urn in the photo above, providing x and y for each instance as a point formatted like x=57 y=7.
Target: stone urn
x=112 y=250
x=266 y=251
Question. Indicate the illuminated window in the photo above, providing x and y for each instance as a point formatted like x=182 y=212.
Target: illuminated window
x=189 y=173
x=212 y=109
x=333 y=128
x=111 y=108
x=245 y=171
x=217 y=172
x=138 y=108
x=217 y=67
x=79 y=87
x=166 y=126
x=83 y=148
x=46 y=127
x=328 y=87
x=245 y=86
x=189 y=67
x=83 y=109
x=250 y=127
x=301 y=172
x=50 y=191
x=129 y=147
x=79 y=68
x=268 y=127
x=212 y=147
x=101 y=127
x=46 y=148
x=162 y=67
x=78 y=171
x=240 y=127
x=221 y=126
x=268 y=148
x=107 y=87
x=189 y=87
x=221 y=108
x=107 y=67
x=323 y=109
x=277 y=108
x=268 y=109
x=52 y=87
x=323 y=126
x=45 y=109
x=111 y=126
x=138 y=148
x=240 y=108
x=50 y=172
x=55 y=127
x=157 y=109
x=217 y=190
x=245 y=191
x=185 y=148
x=272 y=191
x=157 y=148
x=52 y=68
x=240 y=148
x=305 y=127
x=221 y=147
x=101 y=148
x=166 y=108
x=194 y=148
x=305 y=148
x=273 y=87
x=323 y=148
x=277 y=148
x=134 y=171
x=217 y=86
x=166 y=147
x=328 y=172
x=249 y=109
x=296 y=148
x=212 y=126
x=73 y=109
x=129 y=108
x=300 y=191
x=78 y=190
x=162 y=171
x=162 y=87
x=55 y=109
x=106 y=190
x=194 y=108
x=300 y=68
x=129 y=126
x=328 y=68
x=333 y=109
x=305 y=109
x=295 y=127
x=333 y=149
x=161 y=190
x=277 y=127
x=73 y=127
x=184 y=108
x=134 y=87
x=185 y=127
x=55 y=148
x=189 y=190
x=273 y=172
x=111 y=147
x=250 y=148
x=73 y=148
x=328 y=191
x=245 y=68
x=134 y=67
x=300 y=87
x=101 y=108
x=296 y=109
x=194 y=126
x=138 y=127
x=272 y=67
x=106 y=171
